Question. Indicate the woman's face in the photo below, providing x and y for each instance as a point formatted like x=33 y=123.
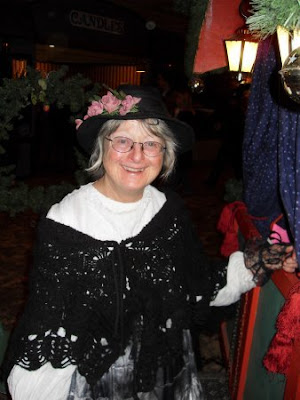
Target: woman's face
x=127 y=174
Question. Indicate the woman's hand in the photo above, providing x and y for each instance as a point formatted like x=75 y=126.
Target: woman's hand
x=275 y=256
x=262 y=259
x=290 y=263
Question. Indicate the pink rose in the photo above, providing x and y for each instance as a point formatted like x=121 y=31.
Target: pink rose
x=110 y=102
x=136 y=100
x=123 y=110
x=95 y=108
x=128 y=103
x=78 y=122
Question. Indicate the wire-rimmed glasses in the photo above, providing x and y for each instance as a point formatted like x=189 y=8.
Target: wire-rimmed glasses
x=123 y=144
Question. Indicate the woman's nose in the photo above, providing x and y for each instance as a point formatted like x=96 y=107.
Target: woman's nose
x=136 y=152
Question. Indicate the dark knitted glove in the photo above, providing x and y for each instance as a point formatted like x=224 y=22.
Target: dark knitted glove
x=262 y=258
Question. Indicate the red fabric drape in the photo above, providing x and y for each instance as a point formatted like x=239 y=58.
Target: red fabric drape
x=278 y=357
x=228 y=225
x=222 y=18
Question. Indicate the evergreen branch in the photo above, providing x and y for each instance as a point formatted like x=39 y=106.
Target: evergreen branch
x=268 y=14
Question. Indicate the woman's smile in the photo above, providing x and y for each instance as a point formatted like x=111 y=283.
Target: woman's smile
x=132 y=169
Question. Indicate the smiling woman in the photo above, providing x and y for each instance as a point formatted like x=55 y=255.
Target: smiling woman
x=120 y=276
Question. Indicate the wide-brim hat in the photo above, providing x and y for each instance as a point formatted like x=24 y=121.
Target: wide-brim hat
x=151 y=105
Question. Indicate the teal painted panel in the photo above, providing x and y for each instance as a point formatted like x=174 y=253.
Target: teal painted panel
x=260 y=384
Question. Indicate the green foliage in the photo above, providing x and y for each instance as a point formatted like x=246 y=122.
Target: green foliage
x=16 y=197
x=14 y=96
x=268 y=14
x=58 y=90
x=233 y=190
x=71 y=91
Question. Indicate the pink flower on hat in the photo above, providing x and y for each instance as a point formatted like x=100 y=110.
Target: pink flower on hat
x=128 y=103
x=110 y=102
x=95 y=108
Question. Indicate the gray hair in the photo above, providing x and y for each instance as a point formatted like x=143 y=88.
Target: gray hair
x=156 y=127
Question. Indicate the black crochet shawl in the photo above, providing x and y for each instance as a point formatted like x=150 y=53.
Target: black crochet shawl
x=87 y=295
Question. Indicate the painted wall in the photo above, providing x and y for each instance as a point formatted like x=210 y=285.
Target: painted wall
x=222 y=18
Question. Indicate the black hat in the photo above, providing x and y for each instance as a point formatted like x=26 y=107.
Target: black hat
x=151 y=105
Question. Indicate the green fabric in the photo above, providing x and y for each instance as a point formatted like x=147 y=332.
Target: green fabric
x=260 y=384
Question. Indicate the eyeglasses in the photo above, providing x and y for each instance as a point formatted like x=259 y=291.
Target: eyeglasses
x=123 y=144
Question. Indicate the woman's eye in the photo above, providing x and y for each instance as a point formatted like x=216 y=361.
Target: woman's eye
x=122 y=141
x=151 y=144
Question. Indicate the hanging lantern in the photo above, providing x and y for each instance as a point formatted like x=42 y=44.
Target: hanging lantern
x=287 y=41
x=241 y=51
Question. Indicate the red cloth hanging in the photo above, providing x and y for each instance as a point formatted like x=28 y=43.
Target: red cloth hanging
x=222 y=18
x=228 y=225
x=278 y=357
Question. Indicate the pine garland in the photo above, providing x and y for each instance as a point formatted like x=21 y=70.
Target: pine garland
x=268 y=14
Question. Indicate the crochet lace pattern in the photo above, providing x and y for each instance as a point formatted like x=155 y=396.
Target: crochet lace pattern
x=87 y=297
x=262 y=258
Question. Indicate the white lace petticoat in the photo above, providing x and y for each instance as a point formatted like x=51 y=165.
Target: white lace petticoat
x=116 y=383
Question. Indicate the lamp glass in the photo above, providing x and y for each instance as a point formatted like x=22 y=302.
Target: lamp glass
x=283 y=43
x=296 y=39
x=249 y=55
x=287 y=41
x=234 y=49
